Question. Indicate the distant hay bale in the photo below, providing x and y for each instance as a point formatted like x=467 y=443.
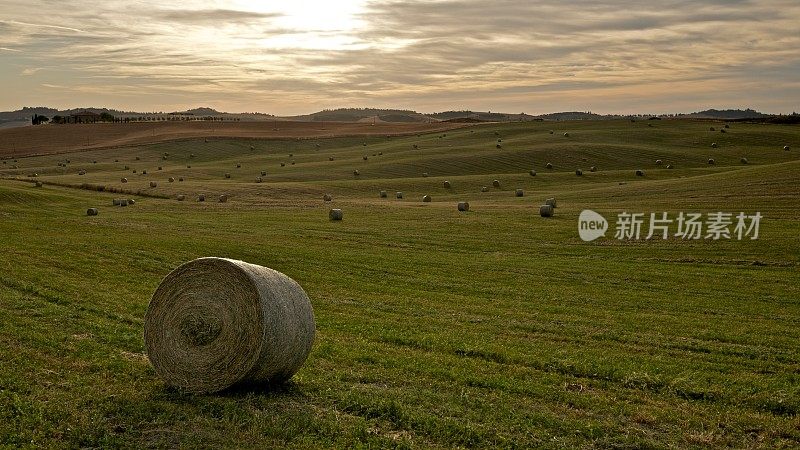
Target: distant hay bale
x=593 y=169
x=425 y=174
x=578 y=172
x=205 y=140
x=532 y=173
x=727 y=126
x=191 y=155
x=201 y=198
x=549 y=166
x=92 y=212
x=292 y=162
x=171 y=179
x=499 y=140
x=398 y=195
x=552 y=132
x=39 y=184
x=94 y=162
x=223 y=198
x=640 y=173
x=498 y=146
x=327 y=198
x=283 y=164
x=116 y=202
x=181 y=197
x=124 y=180
x=116 y=160
x=263 y=173
x=669 y=166
x=519 y=193
x=356 y=172
x=551 y=202
x=137 y=158
x=365 y=157
x=463 y=206
x=713 y=145
x=546 y=211
x=786 y=148
x=496 y=183
x=383 y=194
x=123 y=202
x=127 y=168
x=658 y=162
x=446 y=184
x=426 y=198
x=335 y=214
x=160 y=168
x=744 y=161
x=153 y=184
x=227 y=175
x=214 y=323
x=144 y=172
x=330 y=158
x=238 y=166
x=380 y=153
x=188 y=166
x=496 y=133
x=131 y=201
x=81 y=172
x=365 y=144
x=566 y=134
x=712 y=129
x=711 y=161
x=722 y=131
x=164 y=157
x=485 y=189
x=133 y=171
x=259 y=179
x=415 y=146
x=252 y=148
x=180 y=179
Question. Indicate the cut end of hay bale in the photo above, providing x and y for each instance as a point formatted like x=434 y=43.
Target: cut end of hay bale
x=259 y=179
x=463 y=206
x=786 y=148
x=446 y=184
x=669 y=166
x=549 y=166
x=496 y=183
x=546 y=211
x=335 y=214
x=566 y=134
x=711 y=161
x=92 y=212
x=124 y=180
x=214 y=323
x=426 y=198
x=713 y=145
x=593 y=169
x=519 y=193
x=658 y=162
x=485 y=189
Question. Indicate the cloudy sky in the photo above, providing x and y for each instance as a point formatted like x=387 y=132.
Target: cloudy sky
x=299 y=56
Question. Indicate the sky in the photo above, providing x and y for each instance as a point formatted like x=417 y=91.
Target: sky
x=301 y=56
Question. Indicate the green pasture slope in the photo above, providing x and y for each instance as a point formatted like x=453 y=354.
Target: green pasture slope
x=436 y=328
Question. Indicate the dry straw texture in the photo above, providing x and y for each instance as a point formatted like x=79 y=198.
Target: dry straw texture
x=214 y=323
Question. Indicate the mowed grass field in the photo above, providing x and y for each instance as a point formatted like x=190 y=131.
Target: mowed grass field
x=435 y=328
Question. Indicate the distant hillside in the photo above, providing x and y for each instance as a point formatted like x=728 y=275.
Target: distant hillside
x=727 y=114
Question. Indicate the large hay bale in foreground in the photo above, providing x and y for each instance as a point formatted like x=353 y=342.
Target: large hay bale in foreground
x=335 y=214
x=92 y=212
x=546 y=211
x=463 y=206
x=214 y=323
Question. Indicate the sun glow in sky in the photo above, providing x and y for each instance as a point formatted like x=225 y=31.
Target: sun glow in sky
x=300 y=56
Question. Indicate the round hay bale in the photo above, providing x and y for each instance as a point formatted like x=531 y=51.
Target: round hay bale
x=124 y=180
x=81 y=172
x=181 y=197
x=499 y=140
x=566 y=134
x=214 y=323
x=330 y=158
x=424 y=174
x=639 y=173
x=713 y=145
x=365 y=144
x=94 y=162
x=552 y=131
x=263 y=173
x=744 y=161
x=380 y=153
x=171 y=179
x=365 y=157
x=68 y=161
x=546 y=210
x=201 y=198
x=252 y=148
x=519 y=193
x=498 y=146
x=549 y=166
x=711 y=161
x=131 y=201
x=426 y=198
x=153 y=184
x=127 y=168
x=160 y=168
x=164 y=158
x=356 y=172
x=551 y=201
x=383 y=194
x=496 y=183
x=669 y=166
x=144 y=172
x=593 y=169
x=92 y=212
x=327 y=197
x=398 y=195
x=446 y=184
x=137 y=158
x=532 y=173
x=463 y=206
x=223 y=198
x=292 y=162
x=727 y=126
x=786 y=148
x=238 y=166
x=722 y=131
x=39 y=184
x=227 y=175
x=188 y=166
x=259 y=179
x=712 y=129
x=123 y=202
x=116 y=202
x=659 y=162
x=578 y=172
x=133 y=171
x=191 y=155
x=335 y=214
x=180 y=179
x=485 y=189
x=283 y=164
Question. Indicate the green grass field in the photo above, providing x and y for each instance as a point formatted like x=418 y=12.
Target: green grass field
x=435 y=328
